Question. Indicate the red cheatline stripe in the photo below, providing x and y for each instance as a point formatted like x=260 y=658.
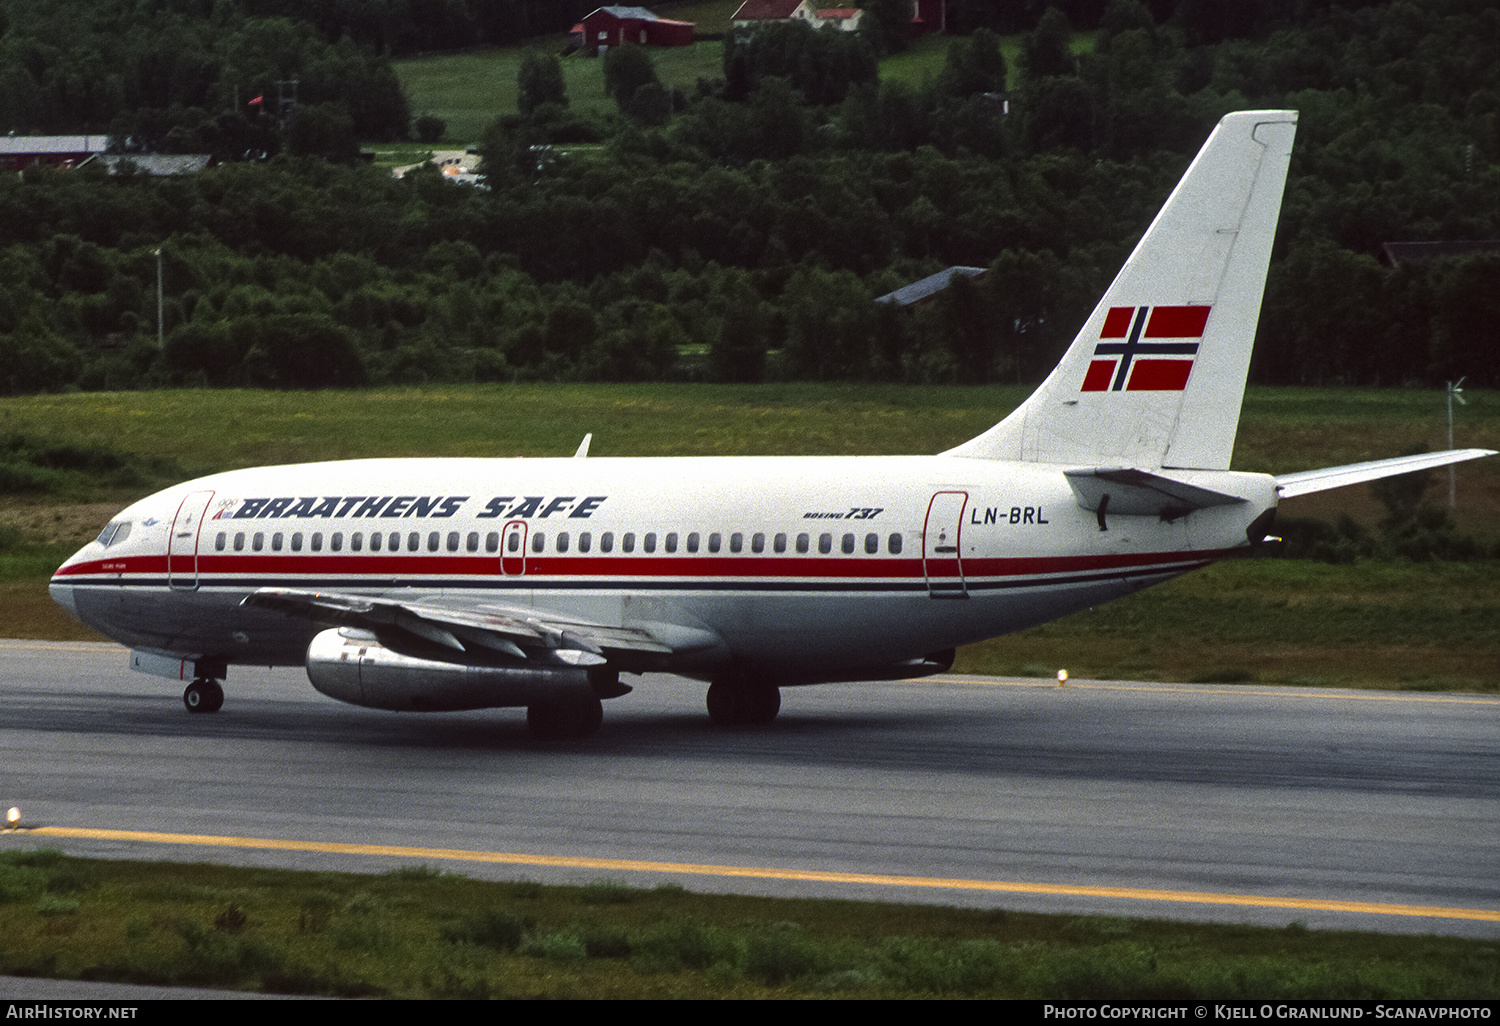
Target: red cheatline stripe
x=708 y=569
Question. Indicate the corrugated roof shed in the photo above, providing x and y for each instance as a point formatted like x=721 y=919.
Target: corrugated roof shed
x=156 y=163
x=929 y=286
x=39 y=145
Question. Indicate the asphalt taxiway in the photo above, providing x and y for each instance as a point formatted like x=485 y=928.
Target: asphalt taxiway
x=1338 y=809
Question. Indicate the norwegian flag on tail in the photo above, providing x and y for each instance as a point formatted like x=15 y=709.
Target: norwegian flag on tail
x=1146 y=349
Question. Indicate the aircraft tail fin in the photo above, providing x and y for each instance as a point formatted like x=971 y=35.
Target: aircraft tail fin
x=1156 y=377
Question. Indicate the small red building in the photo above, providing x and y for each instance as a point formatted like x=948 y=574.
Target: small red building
x=614 y=26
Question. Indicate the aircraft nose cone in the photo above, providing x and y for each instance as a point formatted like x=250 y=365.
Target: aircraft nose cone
x=62 y=594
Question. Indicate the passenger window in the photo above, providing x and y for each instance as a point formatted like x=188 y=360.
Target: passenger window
x=375 y=539
x=473 y=541
x=757 y=542
x=671 y=541
x=585 y=541
x=538 y=541
x=276 y=542
x=413 y=542
x=452 y=541
x=893 y=544
x=627 y=543
x=239 y=541
x=692 y=541
x=779 y=543
x=825 y=543
x=219 y=542
x=296 y=541
x=356 y=541
x=607 y=541
x=492 y=542
x=562 y=541
x=736 y=542
x=335 y=541
x=848 y=544
x=802 y=542
x=317 y=541
x=258 y=542
x=513 y=543
x=648 y=543
x=714 y=542
x=434 y=541
x=872 y=543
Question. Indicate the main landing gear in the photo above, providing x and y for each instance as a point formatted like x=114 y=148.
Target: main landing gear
x=575 y=715
x=739 y=703
x=203 y=695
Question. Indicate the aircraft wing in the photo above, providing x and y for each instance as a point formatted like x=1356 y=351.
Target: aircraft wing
x=1308 y=481
x=463 y=630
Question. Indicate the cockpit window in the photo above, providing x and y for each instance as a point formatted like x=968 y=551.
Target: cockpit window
x=114 y=533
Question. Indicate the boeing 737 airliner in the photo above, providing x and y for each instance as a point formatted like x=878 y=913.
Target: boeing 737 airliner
x=473 y=583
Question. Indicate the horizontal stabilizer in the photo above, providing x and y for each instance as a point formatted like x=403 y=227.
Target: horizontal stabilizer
x=1129 y=492
x=1308 y=481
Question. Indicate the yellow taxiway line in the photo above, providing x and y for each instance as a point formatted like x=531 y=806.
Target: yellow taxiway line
x=771 y=873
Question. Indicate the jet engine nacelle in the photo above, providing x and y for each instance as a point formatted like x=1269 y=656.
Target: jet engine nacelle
x=351 y=666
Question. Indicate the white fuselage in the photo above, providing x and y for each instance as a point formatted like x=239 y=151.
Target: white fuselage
x=805 y=567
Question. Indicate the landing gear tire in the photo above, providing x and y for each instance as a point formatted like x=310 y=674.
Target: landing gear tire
x=203 y=696
x=737 y=704
x=573 y=717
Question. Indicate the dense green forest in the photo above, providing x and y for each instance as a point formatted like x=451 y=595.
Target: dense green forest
x=739 y=232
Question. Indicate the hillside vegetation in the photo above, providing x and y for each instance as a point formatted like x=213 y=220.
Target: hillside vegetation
x=733 y=219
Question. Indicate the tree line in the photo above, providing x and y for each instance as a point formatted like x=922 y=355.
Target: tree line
x=180 y=76
x=743 y=231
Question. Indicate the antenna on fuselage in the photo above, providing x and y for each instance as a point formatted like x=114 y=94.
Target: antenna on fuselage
x=583 y=446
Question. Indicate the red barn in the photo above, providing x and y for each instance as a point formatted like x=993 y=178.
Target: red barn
x=614 y=26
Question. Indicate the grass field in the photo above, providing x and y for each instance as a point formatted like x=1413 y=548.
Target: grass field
x=417 y=933
x=469 y=90
x=1391 y=625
